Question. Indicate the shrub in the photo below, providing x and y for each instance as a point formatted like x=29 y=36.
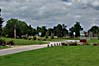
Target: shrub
x=46 y=37
x=10 y=42
x=34 y=38
x=52 y=37
x=2 y=42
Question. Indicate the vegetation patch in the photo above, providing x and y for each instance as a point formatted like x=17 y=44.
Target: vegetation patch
x=24 y=41
x=54 y=56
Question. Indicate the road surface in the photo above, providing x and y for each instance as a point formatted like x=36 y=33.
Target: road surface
x=18 y=49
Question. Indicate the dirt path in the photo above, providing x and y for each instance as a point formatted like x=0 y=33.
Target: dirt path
x=17 y=49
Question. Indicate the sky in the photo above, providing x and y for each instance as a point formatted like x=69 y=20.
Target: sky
x=52 y=12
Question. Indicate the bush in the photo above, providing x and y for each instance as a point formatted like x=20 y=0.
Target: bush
x=46 y=37
x=2 y=42
x=34 y=38
x=73 y=44
x=70 y=44
x=52 y=37
x=10 y=42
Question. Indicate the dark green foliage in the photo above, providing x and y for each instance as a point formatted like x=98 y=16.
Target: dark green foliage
x=49 y=31
x=46 y=37
x=76 y=28
x=94 y=29
x=21 y=28
x=31 y=31
x=41 y=30
x=2 y=42
x=1 y=21
x=34 y=38
x=60 y=30
x=52 y=37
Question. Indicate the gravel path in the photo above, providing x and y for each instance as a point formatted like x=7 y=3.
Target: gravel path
x=17 y=49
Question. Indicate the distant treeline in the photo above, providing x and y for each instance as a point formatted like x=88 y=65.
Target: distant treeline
x=17 y=28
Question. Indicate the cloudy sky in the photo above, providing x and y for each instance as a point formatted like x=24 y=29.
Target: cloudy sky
x=52 y=12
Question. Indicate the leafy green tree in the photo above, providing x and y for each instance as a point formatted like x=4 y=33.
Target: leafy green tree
x=76 y=28
x=94 y=30
x=38 y=30
x=65 y=31
x=31 y=31
x=49 y=31
x=42 y=29
x=1 y=21
x=14 y=24
x=60 y=30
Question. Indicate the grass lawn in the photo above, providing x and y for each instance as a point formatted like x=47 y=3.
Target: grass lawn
x=3 y=47
x=93 y=41
x=55 y=56
x=30 y=42
x=62 y=39
x=25 y=42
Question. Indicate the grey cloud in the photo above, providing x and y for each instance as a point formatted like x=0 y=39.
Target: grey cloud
x=51 y=12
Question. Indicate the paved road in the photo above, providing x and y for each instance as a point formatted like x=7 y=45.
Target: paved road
x=17 y=49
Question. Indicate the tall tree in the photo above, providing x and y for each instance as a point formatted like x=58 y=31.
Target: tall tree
x=31 y=31
x=65 y=31
x=76 y=28
x=42 y=30
x=1 y=21
x=15 y=26
x=49 y=31
x=94 y=30
x=60 y=30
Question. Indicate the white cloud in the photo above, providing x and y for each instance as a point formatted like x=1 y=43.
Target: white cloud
x=51 y=12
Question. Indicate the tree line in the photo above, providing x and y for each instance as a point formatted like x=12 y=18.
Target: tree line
x=21 y=28
x=16 y=28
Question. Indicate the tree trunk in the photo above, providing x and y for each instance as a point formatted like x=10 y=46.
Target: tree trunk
x=15 y=31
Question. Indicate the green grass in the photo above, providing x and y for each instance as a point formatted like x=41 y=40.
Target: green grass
x=30 y=42
x=24 y=41
x=62 y=39
x=55 y=56
x=93 y=41
x=3 y=47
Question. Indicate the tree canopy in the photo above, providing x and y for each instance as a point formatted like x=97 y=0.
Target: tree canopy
x=76 y=28
x=1 y=21
x=60 y=30
x=14 y=24
x=94 y=29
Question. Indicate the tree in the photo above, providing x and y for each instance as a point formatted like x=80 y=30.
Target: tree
x=49 y=32
x=65 y=31
x=1 y=21
x=76 y=28
x=15 y=26
x=31 y=31
x=42 y=30
x=60 y=30
x=94 y=30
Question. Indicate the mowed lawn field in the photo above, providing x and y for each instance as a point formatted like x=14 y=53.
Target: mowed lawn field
x=31 y=42
x=54 y=56
x=24 y=41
